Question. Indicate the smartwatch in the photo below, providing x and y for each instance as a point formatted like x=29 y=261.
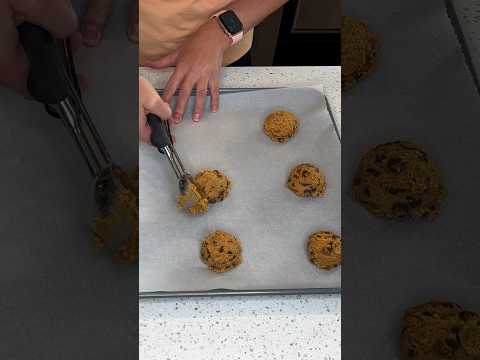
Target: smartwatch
x=231 y=25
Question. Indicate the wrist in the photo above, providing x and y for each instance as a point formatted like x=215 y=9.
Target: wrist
x=221 y=37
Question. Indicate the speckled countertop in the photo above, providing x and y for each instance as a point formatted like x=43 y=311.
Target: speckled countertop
x=259 y=327
x=268 y=327
x=325 y=78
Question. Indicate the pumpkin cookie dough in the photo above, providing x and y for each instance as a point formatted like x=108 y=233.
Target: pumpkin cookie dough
x=359 y=51
x=325 y=249
x=280 y=126
x=221 y=251
x=397 y=180
x=193 y=201
x=213 y=184
x=438 y=331
x=307 y=180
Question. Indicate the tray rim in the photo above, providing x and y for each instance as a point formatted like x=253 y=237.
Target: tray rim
x=144 y=295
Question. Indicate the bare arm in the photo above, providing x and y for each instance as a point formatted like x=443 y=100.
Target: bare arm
x=199 y=60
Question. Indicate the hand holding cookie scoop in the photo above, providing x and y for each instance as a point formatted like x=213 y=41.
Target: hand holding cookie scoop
x=191 y=198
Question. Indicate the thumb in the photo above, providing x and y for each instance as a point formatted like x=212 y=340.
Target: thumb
x=151 y=102
x=164 y=62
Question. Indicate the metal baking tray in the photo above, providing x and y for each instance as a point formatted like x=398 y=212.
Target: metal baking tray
x=256 y=292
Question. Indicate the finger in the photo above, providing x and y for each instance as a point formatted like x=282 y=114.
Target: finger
x=13 y=61
x=56 y=16
x=213 y=85
x=132 y=32
x=182 y=99
x=94 y=21
x=76 y=41
x=151 y=101
x=201 y=94
x=164 y=62
x=172 y=85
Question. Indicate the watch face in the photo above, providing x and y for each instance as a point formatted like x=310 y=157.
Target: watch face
x=231 y=22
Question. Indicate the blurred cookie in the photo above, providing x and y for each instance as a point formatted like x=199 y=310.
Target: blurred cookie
x=221 y=251
x=440 y=330
x=214 y=184
x=397 y=179
x=325 y=249
x=359 y=51
x=307 y=180
x=280 y=126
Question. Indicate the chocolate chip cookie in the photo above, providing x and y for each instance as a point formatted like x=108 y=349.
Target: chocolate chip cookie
x=359 y=51
x=307 y=180
x=214 y=184
x=325 y=249
x=280 y=126
x=397 y=180
x=221 y=251
x=440 y=330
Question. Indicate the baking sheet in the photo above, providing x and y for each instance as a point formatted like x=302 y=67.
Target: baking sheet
x=271 y=223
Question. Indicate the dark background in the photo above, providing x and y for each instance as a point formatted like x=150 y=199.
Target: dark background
x=420 y=91
x=301 y=33
x=58 y=298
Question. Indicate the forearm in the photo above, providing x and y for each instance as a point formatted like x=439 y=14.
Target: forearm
x=252 y=12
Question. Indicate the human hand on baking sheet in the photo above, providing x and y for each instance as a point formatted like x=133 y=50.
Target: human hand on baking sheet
x=95 y=19
x=149 y=102
x=56 y=16
x=197 y=65
x=199 y=59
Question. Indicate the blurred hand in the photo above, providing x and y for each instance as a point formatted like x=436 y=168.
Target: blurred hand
x=56 y=16
x=95 y=19
x=149 y=102
x=197 y=65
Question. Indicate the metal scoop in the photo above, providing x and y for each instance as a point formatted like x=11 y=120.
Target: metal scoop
x=162 y=139
x=53 y=82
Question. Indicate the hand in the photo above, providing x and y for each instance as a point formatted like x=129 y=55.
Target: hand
x=149 y=102
x=95 y=19
x=197 y=65
x=56 y=16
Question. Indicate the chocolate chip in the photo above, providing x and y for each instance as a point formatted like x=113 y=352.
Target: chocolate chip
x=221 y=249
x=395 y=191
x=305 y=173
x=396 y=165
x=373 y=172
x=367 y=191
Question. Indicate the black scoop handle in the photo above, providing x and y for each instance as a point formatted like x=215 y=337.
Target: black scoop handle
x=161 y=136
x=46 y=79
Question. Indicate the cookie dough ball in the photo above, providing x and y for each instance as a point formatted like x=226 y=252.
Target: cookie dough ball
x=396 y=180
x=359 y=51
x=213 y=184
x=440 y=330
x=307 y=180
x=221 y=251
x=325 y=249
x=280 y=126
x=193 y=201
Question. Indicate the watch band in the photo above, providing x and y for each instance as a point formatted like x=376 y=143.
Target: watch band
x=234 y=38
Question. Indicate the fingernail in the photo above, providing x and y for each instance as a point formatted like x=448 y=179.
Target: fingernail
x=91 y=34
x=196 y=117
x=177 y=118
x=214 y=108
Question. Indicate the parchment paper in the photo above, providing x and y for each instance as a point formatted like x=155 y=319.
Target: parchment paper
x=271 y=223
